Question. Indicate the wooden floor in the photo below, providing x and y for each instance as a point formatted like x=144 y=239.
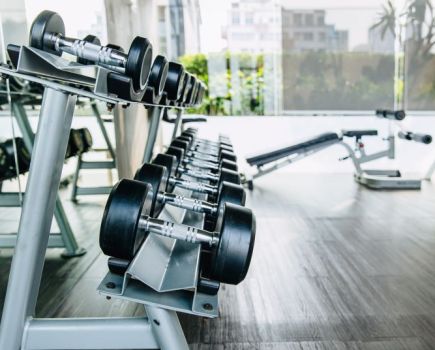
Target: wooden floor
x=335 y=266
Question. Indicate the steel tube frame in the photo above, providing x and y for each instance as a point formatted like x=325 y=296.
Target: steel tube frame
x=177 y=123
x=37 y=214
x=156 y=113
x=72 y=248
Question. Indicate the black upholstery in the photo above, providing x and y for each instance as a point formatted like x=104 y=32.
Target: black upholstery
x=320 y=141
x=359 y=133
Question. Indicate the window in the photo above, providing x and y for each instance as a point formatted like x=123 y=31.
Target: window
x=321 y=20
x=308 y=36
x=309 y=20
x=235 y=18
x=297 y=19
x=322 y=37
x=249 y=18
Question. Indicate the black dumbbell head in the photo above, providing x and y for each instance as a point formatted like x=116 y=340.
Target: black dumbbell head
x=170 y=163
x=157 y=177
x=174 y=81
x=139 y=59
x=158 y=74
x=45 y=24
x=86 y=137
x=119 y=233
x=231 y=258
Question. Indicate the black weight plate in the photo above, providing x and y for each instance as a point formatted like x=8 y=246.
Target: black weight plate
x=232 y=256
x=90 y=39
x=139 y=61
x=158 y=74
x=185 y=88
x=174 y=81
x=86 y=137
x=229 y=176
x=179 y=155
x=115 y=47
x=44 y=25
x=76 y=142
x=227 y=193
x=23 y=155
x=229 y=165
x=171 y=164
x=4 y=165
x=119 y=233
x=157 y=177
x=180 y=144
x=223 y=154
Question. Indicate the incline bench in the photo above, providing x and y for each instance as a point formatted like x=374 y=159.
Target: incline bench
x=286 y=155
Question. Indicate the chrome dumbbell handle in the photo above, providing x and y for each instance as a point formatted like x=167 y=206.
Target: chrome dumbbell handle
x=192 y=204
x=193 y=186
x=202 y=156
x=201 y=163
x=178 y=231
x=101 y=54
x=198 y=174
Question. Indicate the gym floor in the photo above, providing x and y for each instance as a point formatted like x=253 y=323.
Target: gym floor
x=336 y=266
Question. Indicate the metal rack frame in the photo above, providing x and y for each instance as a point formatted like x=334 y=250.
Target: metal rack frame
x=19 y=329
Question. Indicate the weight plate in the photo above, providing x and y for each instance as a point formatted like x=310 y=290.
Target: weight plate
x=180 y=144
x=177 y=152
x=191 y=92
x=185 y=87
x=170 y=163
x=4 y=165
x=23 y=155
x=119 y=233
x=158 y=74
x=90 y=39
x=46 y=24
x=174 y=81
x=157 y=177
x=76 y=142
x=139 y=61
x=232 y=256
x=229 y=176
x=115 y=47
x=86 y=137
x=229 y=165
x=223 y=154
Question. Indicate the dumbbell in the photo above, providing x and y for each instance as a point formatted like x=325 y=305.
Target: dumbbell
x=200 y=154
x=171 y=164
x=127 y=223
x=197 y=168
x=48 y=33
x=86 y=137
x=223 y=140
x=157 y=176
x=80 y=141
x=211 y=147
x=8 y=168
x=388 y=114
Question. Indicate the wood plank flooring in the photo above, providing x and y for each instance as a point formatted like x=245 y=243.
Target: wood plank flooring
x=335 y=266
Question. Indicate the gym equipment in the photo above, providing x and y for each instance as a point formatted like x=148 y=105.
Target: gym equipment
x=417 y=137
x=171 y=164
x=156 y=80
x=192 y=133
x=392 y=115
x=127 y=222
x=202 y=154
x=8 y=169
x=207 y=148
x=47 y=33
x=192 y=162
x=83 y=164
x=267 y=162
x=157 y=177
x=63 y=81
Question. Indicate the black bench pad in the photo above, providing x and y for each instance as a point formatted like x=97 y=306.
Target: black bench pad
x=320 y=141
x=360 y=133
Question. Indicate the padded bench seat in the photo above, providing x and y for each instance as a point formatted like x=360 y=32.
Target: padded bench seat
x=360 y=133
x=320 y=141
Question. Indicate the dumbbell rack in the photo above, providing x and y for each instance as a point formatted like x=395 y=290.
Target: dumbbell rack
x=19 y=329
x=65 y=238
x=96 y=164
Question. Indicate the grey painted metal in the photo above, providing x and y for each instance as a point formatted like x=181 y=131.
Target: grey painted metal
x=90 y=333
x=72 y=249
x=106 y=137
x=156 y=113
x=166 y=328
x=44 y=177
x=177 y=123
x=103 y=164
x=10 y=241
